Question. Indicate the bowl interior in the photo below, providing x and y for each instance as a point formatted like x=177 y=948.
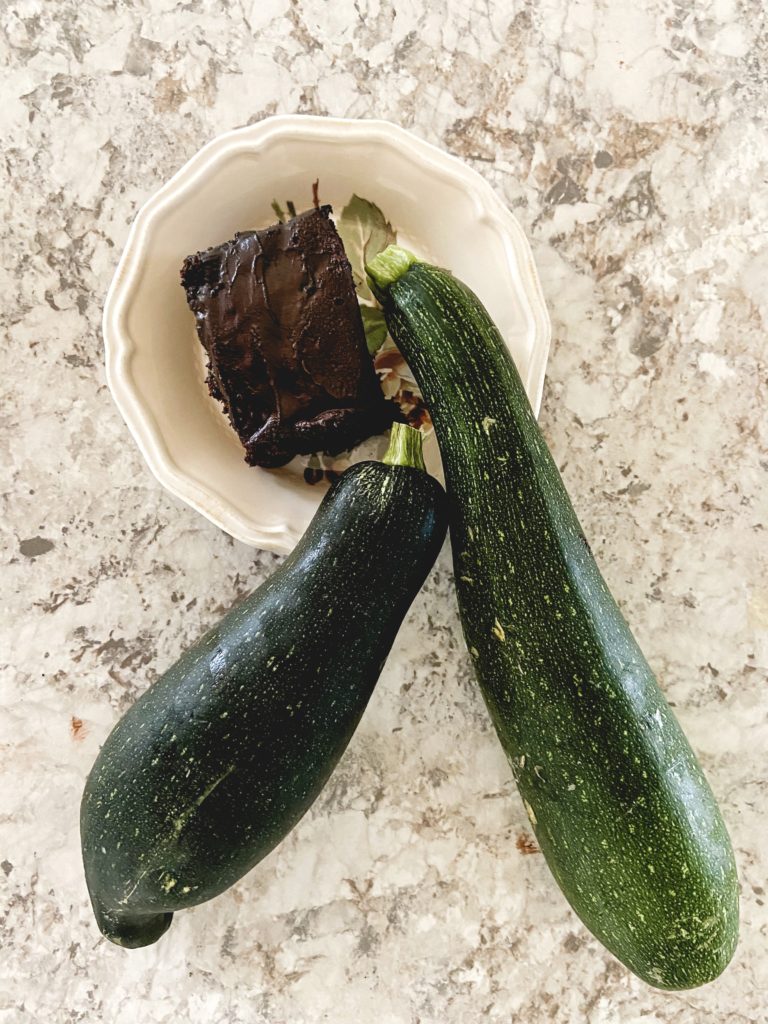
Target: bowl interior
x=435 y=215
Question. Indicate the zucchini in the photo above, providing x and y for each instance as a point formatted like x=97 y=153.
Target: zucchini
x=221 y=757
x=618 y=802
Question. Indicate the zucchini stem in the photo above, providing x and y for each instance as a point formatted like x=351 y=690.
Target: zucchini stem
x=405 y=447
x=387 y=266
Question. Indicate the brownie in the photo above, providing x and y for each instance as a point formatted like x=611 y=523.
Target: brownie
x=278 y=316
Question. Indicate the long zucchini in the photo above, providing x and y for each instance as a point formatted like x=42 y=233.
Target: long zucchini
x=219 y=759
x=618 y=802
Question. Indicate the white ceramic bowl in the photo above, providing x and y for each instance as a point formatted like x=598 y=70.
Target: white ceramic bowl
x=441 y=209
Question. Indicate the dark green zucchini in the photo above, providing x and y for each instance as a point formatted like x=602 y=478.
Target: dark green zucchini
x=219 y=759
x=619 y=804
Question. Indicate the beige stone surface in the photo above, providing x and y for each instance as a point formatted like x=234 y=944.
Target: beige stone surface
x=631 y=140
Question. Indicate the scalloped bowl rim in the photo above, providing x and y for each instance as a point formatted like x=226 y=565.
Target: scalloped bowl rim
x=119 y=346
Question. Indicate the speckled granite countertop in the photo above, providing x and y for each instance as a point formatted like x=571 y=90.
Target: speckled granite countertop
x=633 y=146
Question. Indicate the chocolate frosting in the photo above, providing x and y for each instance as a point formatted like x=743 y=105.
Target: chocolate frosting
x=277 y=313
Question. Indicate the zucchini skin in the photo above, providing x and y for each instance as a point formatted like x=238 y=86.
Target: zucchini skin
x=619 y=804
x=222 y=756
